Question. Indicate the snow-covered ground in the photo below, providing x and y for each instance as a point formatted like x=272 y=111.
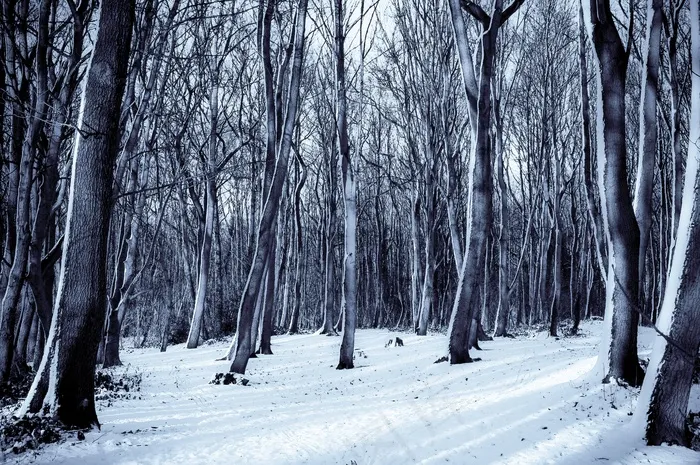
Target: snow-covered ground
x=527 y=402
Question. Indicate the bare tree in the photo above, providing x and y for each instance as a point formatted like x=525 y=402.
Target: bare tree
x=479 y=189
x=65 y=380
x=663 y=402
x=618 y=355
x=243 y=341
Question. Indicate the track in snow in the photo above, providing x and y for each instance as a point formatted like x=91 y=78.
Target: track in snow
x=526 y=402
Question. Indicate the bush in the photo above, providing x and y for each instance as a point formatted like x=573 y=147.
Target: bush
x=111 y=385
x=28 y=433
x=16 y=388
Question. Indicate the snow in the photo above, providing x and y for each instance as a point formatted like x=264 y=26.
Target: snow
x=529 y=401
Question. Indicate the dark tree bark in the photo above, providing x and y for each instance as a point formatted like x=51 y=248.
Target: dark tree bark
x=619 y=345
x=16 y=278
x=644 y=187
x=67 y=389
x=246 y=310
x=480 y=189
x=299 y=246
x=663 y=402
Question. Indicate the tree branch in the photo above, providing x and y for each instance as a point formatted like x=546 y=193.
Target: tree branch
x=510 y=11
x=476 y=11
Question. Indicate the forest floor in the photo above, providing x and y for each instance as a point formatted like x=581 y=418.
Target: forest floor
x=531 y=400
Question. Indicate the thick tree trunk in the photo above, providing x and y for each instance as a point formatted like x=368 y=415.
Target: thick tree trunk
x=480 y=191
x=663 y=402
x=67 y=389
x=619 y=344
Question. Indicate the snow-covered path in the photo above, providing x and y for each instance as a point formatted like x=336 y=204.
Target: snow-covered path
x=526 y=402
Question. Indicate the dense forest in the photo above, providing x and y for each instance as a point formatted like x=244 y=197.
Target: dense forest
x=182 y=171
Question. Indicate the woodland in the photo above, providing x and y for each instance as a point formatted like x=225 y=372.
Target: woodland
x=258 y=187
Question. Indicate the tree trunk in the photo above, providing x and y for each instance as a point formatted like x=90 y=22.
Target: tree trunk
x=331 y=228
x=429 y=275
x=265 y=230
x=349 y=303
x=299 y=233
x=480 y=191
x=269 y=302
x=415 y=274
x=503 y=291
x=619 y=344
x=15 y=280
x=663 y=402
x=67 y=389
x=647 y=135
x=205 y=255
x=591 y=204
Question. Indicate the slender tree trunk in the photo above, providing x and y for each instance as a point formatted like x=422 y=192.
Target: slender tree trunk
x=503 y=291
x=349 y=303
x=246 y=310
x=331 y=228
x=593 y=211
x=269 y=302
x=415 y=274
x=429 y=275
x=205 y=255
x=557 y=301
x=644 y=186
x=299 y=233
x=25 y=325
x=675 y=8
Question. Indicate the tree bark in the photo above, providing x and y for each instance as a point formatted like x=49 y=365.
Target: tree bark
x=205 y=253
x=246 y=310
x=619 y=345
x=644 y=186
x=429 y=275
x=591 y=204
x=663 y=401
x=65 y=380
x=299 y=233
x=349 y=302
x=16 y=278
